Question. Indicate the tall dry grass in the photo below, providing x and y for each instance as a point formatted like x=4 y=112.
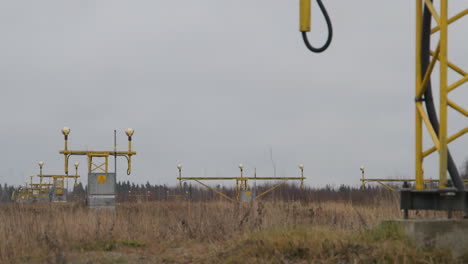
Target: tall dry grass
x=174 y=231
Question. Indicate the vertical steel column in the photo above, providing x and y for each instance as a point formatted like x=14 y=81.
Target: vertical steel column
x=418 y=121
x=90 y=161
x=443 y=94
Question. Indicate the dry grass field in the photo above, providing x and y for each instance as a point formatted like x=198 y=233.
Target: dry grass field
x=210 y=232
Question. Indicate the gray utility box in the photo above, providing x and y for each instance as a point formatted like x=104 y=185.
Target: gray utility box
x=43 y=197
x=101 y=190
x=58 y=195
x=247 y=196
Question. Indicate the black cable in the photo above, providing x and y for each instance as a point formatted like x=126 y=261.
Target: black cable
x=330 y=31
x=429 y=101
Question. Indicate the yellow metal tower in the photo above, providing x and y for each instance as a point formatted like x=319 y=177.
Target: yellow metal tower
x=438 y=133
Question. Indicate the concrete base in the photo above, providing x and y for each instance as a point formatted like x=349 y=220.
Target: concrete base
x=450 y=234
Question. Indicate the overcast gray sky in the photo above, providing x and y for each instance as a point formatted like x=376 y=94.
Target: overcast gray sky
x=214 y=83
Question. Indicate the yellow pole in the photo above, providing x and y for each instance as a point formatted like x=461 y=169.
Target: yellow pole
x=237 y=190
x=66 y=132
x=363 y=180
x=129 y=133
x=107 y=163
x=179 y=166
x=443 y=94
x=41 y=163
x=302 y=176
x=76 y=173
x=304 y=15
x=418 y=118
x=301 y=167
x=90 y=161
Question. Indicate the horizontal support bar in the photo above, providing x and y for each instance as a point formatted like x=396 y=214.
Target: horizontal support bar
x=96 y=153
x=57 y=176
x=241 y=178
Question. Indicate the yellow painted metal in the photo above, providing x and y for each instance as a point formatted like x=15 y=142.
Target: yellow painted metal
x=433 y=11
x=271 y=189
x=104 y=166
x=450 y=139
x=454 y=67
x=451 y=20
x=427 y=75
x=58 y=181
x=457 y=107
x=458 y=83
x=424 y=117
x=386 y=186
x=418 y=118
x=304 y=15
x=101 y=179
x=441 y=140
x=443 y=93
x=241 y=183
x=241 y=178
x=216 y=191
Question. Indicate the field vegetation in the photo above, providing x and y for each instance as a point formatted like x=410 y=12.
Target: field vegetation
x=317 y=226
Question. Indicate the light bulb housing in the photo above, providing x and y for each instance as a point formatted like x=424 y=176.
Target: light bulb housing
x=129 y=132
x=65 y=131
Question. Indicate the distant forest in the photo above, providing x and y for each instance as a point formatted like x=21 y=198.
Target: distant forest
x=131 y=192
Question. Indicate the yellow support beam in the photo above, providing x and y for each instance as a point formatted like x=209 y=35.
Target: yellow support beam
x=304 y=15
x=241 y=182
x=427 y=75
x=458 y=83
x=98 y=154
x=440 y=138
x=418 y=118
x=451 y=20
x=450 y=139
x=443 y=94
x=271 y=189
x=457 y=107
x=452 y=66
x=216 y=191
x=428 y=124
x=433 y=11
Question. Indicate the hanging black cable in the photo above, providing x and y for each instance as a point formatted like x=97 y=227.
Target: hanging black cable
x=330 y=31
x=428 y=99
